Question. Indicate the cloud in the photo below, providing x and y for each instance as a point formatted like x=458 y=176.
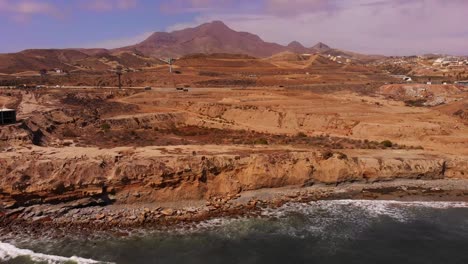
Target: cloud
x=120 y=42
x=392 y=27
x=272 y=7
x=196 y=6
x=21 y=11
x=109 y=5
x=295 y=7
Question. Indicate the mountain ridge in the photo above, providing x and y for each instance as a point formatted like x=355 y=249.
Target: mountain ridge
x=208 y=38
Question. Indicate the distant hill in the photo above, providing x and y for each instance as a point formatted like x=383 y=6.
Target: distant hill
x=71 y=60
x=297 y=47
x=28 y=60
x=290 y=59
x=320 y=47
x=208 y=38
x=214 y=37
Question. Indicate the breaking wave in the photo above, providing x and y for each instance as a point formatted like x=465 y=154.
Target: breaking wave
x=330 y=228
x=327 y=219
x=397 y=210
x=10 y=252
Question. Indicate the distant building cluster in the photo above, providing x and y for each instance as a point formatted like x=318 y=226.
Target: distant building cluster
x=338 y=59
x=450 y=61
x=403 y=77
x=464 y=83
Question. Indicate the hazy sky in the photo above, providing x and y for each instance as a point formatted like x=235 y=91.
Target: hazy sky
x=390 y=27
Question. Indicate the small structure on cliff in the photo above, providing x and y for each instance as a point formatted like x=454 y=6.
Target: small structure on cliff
x=7 y=116
x=464 y=83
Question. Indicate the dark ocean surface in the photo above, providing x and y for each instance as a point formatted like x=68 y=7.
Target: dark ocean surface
x=318 y=232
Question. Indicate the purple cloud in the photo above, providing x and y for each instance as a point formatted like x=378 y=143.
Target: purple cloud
x=197 y=6
x=21 y=11
x=371 y=26
x=109 y=5
x=295 y=7
x=272 y=7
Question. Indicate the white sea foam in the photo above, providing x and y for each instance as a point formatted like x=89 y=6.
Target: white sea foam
x=372 y=208
x=426 y=204
x=321 y=216
x=9 y=251
x=334 y=221
x=338 y=219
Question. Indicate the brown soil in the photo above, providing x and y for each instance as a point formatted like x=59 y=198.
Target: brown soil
x=165 y=146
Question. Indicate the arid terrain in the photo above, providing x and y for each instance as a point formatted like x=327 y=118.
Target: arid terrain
x=168 y=149
x=221 y=134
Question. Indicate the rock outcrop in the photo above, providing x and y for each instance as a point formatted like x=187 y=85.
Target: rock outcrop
x=175 y=174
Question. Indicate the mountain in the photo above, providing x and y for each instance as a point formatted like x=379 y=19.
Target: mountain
x=320 y=47
x=36 y=59
x=208 y=38
x=214 y=37
x=71 y=60
x=297 y=47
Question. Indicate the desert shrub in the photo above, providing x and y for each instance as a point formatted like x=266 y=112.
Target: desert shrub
x=187 y=132
x=459 y=113
x=68 y=132
x=210 y=74
x=59 y=188
x=261 y=141
x=416 y=103
x=301 y=135
x=342 y=156
x=125 y=180
x=105 y=127
x=20 y=186
x=387 y=143
x=337 y=146
x=327 y=154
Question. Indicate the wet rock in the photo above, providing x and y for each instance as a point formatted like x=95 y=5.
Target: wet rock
x=42 y=219
x=10 y=204
x=132 y=217
x=168 y=212
x=15 y=212
x=100 y=216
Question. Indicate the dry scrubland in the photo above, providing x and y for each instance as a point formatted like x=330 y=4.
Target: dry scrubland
x=277 y=126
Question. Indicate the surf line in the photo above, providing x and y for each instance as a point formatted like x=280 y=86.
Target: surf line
x=9 y=252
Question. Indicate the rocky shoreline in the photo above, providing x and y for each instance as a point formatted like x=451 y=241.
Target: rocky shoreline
x=96 y=214
x=87 y=190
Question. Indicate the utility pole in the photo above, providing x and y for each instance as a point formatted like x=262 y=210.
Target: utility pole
x=170 y=60
x=118 y=71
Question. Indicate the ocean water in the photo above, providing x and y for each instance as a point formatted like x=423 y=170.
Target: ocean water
x=342 y=231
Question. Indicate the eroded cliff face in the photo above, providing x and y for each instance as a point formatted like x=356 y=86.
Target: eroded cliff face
x=177 y=173
x=135 y=146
